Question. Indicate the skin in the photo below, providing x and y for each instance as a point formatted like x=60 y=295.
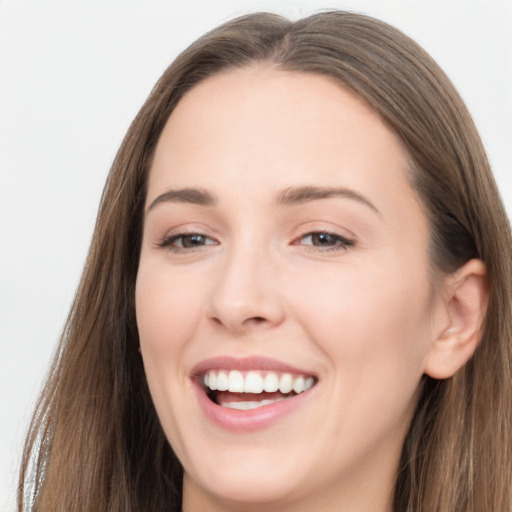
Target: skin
x=362 y=317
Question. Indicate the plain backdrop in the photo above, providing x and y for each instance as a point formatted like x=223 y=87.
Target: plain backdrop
x=72 y=77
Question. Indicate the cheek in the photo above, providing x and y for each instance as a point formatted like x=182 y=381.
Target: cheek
x=165 y=320
x=372 y=324
x=165 y=307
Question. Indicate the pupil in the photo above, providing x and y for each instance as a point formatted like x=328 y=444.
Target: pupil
x=323 y=239
x=192 y=240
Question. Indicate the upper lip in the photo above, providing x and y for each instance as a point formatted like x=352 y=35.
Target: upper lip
x=245 y=364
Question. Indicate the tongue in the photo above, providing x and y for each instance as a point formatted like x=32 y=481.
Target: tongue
x=227 y=397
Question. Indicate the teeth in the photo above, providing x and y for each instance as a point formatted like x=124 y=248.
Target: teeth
x=254 y=382
x=213 y=381
x=286 y=383
x=222 y=381
x=271 y=383
x=236 y=382
x=245 y=406
x=298 y=385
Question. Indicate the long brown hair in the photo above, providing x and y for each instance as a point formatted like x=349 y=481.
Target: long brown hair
x=95 y=443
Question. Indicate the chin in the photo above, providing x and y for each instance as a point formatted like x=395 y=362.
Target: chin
x=246 y=486
x=247 y=472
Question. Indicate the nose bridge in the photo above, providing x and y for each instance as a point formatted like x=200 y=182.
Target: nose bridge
x=245 y=293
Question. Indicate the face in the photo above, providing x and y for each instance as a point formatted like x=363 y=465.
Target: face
x=284 y=262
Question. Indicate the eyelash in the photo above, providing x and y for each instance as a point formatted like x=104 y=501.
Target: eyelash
x=340 y=243
x=168 y=241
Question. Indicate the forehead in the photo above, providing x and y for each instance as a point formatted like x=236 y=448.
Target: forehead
x=245 y=126
x=265 y=103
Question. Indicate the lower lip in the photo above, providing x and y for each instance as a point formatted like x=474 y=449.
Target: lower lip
x=253 y=419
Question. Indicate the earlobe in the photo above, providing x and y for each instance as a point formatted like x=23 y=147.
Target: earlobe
x=465 y=304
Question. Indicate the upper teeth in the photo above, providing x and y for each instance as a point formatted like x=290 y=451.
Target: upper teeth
x=256 y=382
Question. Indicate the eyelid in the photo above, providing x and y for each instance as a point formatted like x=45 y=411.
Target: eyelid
x=166 y=242
x=342 y=245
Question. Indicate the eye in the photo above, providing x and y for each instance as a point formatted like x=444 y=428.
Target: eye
x=324 y=240
x=186 y=241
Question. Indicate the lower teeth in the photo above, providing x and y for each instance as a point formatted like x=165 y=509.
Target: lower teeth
x=245 y=406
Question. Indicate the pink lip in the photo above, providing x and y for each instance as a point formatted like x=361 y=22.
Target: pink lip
x=254 y=419
x=246 y=364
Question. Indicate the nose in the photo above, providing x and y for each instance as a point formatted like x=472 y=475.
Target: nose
x=246 y=295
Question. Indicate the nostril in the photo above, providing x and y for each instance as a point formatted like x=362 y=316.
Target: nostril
x=256 y=319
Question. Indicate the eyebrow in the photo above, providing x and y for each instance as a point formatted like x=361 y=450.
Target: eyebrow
x=185 y=195
x=299 y=195
x=287 y=197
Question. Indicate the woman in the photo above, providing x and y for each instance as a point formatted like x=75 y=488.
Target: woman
x=298 y=293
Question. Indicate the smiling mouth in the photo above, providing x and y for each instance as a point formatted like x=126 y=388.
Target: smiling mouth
x=253 y=389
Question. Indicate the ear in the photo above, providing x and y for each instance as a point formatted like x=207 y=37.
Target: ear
x=464 y=307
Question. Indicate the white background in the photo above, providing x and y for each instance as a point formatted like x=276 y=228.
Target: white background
x=72 y=77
